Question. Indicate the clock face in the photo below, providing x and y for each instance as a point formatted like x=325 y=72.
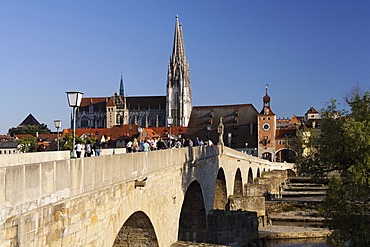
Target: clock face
x=265 y=126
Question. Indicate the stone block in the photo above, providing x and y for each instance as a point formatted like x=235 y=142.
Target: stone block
x=62 y=174
x=11 y=232
x=2 y=186
x=91 y=179
x=94 y=219
x=29 y=225
x=14 y=178
x=32 y=182
x=53 y=236
x=47 y=178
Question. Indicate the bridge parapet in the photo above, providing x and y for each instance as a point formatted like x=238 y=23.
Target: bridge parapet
x=61 y=188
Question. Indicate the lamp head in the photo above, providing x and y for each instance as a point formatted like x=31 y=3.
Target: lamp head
x=74 y=98
x=57 y=123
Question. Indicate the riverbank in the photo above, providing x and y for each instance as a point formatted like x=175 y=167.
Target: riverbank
x=289 y=232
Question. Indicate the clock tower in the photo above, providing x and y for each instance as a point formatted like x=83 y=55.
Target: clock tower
x=266 y=123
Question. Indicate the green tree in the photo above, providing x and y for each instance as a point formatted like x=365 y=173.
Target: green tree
x=27 y=145
x=67 y=141
x=30 y=129
x=342 y=150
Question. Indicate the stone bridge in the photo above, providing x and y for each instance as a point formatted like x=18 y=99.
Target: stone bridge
x=149 y=198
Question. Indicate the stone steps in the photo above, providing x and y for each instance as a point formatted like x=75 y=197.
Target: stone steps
x=302 y=188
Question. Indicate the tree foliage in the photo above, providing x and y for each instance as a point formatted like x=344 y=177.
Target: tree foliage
x=30 y=129
x=343 y=149
x=67 y=140
x=27 y=145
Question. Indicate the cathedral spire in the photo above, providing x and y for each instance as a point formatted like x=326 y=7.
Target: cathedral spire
x=178 y=51
x=179 y=103
x=121 y=88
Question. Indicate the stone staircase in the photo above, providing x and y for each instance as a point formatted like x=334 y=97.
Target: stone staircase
x=303 y=189
x=298 y=203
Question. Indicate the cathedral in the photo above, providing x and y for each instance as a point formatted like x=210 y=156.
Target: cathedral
x=145 y=111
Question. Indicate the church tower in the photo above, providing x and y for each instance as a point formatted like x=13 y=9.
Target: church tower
x=266 y=123
x=121 y=88
x=178 y=98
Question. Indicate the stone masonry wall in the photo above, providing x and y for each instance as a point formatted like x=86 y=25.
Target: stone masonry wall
x=231 y=227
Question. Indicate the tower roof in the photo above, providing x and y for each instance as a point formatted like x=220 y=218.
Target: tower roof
x=311 y=110
x=266 y=110
x=266 y=98
x=121 y=88
x=178 y=51
x=29 y=120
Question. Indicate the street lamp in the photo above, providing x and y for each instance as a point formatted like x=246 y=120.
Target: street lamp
x=209 y=130
x=229 y=138
x=246 y=147
x=74 y=101
x=57 y=124
x=169 y=122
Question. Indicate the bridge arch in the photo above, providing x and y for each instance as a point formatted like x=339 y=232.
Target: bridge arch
x=238 y=183
x=137 y=229
x=192 y=223
x=267 y=156
x=258 y=173
x=285 y=154
x=250 y=176
x=220 y=194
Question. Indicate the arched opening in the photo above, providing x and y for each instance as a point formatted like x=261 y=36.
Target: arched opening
x=137 y=231
x=250 y=176
x=258 y=173
x=267 y=156
x=285 y=155
x=238 y=184
x=220 y=197
x=193 y=225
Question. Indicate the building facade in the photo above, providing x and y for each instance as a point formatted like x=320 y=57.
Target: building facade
x=146 y=111
x=266 y=124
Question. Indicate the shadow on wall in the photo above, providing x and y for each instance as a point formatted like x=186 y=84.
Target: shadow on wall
x=193 y=217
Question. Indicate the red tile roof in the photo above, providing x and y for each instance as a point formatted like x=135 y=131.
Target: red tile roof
x=93 y=100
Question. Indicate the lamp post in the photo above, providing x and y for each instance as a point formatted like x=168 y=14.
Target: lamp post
x=169 y=122
x=57 y=124
x=246 y=147
x=74 y=101
x=229 y=138
x=209 y=130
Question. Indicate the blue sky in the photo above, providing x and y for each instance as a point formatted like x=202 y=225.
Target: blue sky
x=307 y=51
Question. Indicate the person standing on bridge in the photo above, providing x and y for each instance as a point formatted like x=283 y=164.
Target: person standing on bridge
x=88 y=149
x=146 y=146
x=135 y=145
x=78 y=148
x=97 y=147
